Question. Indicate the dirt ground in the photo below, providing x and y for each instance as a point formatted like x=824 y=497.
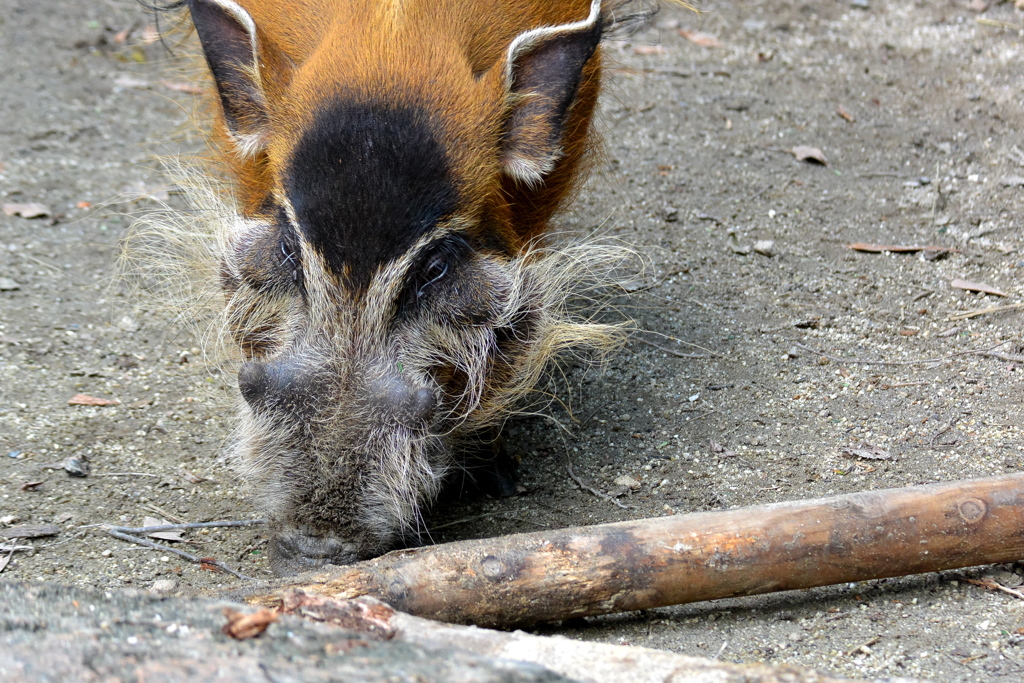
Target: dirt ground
x=717 y=401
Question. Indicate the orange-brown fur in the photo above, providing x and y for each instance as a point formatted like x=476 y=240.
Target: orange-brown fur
x=429 y=51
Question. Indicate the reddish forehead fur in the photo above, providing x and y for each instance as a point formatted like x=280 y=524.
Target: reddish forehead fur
x=447 y=56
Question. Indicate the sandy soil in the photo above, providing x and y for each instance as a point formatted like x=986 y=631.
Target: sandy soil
x=917 y=107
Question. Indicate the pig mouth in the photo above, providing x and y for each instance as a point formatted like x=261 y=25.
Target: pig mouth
x=293 y=551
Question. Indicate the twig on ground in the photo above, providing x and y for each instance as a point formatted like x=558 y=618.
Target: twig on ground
x=127 y=474
x=465 y=520
x=942 y=431
x=984 y=311
x=995 y=585
x=599 y=494
x=684 y=343
x=921 y=361
x=125 y=534
x=192 y=525
x=860 y=648
x=677 y=354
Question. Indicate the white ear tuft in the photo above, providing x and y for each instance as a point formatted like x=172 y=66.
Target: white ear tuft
x=228 y=36
x=542 y=73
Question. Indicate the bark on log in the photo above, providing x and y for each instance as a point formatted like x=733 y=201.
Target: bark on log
x=586 y=571
x=574 y=659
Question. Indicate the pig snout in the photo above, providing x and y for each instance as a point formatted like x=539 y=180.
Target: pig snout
x=286 y=385
x=294 y=551
x=336 y=446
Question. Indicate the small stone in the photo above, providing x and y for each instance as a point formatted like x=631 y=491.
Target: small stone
x=77 y=466
x=627 y=481
x=164 y=585
x=8 y=285
x=765 y=248
x=860 y=4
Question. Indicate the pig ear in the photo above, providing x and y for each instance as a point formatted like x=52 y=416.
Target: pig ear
x=543 y=74
x=228 y=36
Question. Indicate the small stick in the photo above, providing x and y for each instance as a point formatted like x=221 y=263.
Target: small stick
x=859 y=648
x=686 y=343
x=176 y=527
x=677 y=354
x=973 y=352
x=984 y=311
x=990 y=584
x=124 y=534
x=127 y=474
x=579 y=482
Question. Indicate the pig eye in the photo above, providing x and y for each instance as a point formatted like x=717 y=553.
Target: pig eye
x=288 y=261
x=436 y=268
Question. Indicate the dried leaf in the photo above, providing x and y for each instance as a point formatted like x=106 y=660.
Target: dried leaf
x=976 y=287
x=866 y=451
x=702 y=39
x=162 y=535
x=896 y=248
x=86 y=400
x=123 y=82
x=29 y=210
x=241 y=626
x=192 y=478
x=649 y=50
x=845 y=115
x=183 y=87
x=31 y=485
x=209 y=564
x=809 y=154
x=30 y=531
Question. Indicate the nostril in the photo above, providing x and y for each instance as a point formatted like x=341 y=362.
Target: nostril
x=421 y=407
x=402 y=399
x=280 y=384
x=253 y=382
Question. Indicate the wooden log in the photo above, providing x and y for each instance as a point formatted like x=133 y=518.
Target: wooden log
x=585 y=571
x=574 y=659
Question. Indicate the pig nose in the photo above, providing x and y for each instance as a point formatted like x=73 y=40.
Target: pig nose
x=279 y=384
x=292 y=551
x=403 y=399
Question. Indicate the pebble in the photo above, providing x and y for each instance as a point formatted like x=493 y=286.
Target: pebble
x=8 y=285
x=765 y=248
x=627 y=481
x=164 y=585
